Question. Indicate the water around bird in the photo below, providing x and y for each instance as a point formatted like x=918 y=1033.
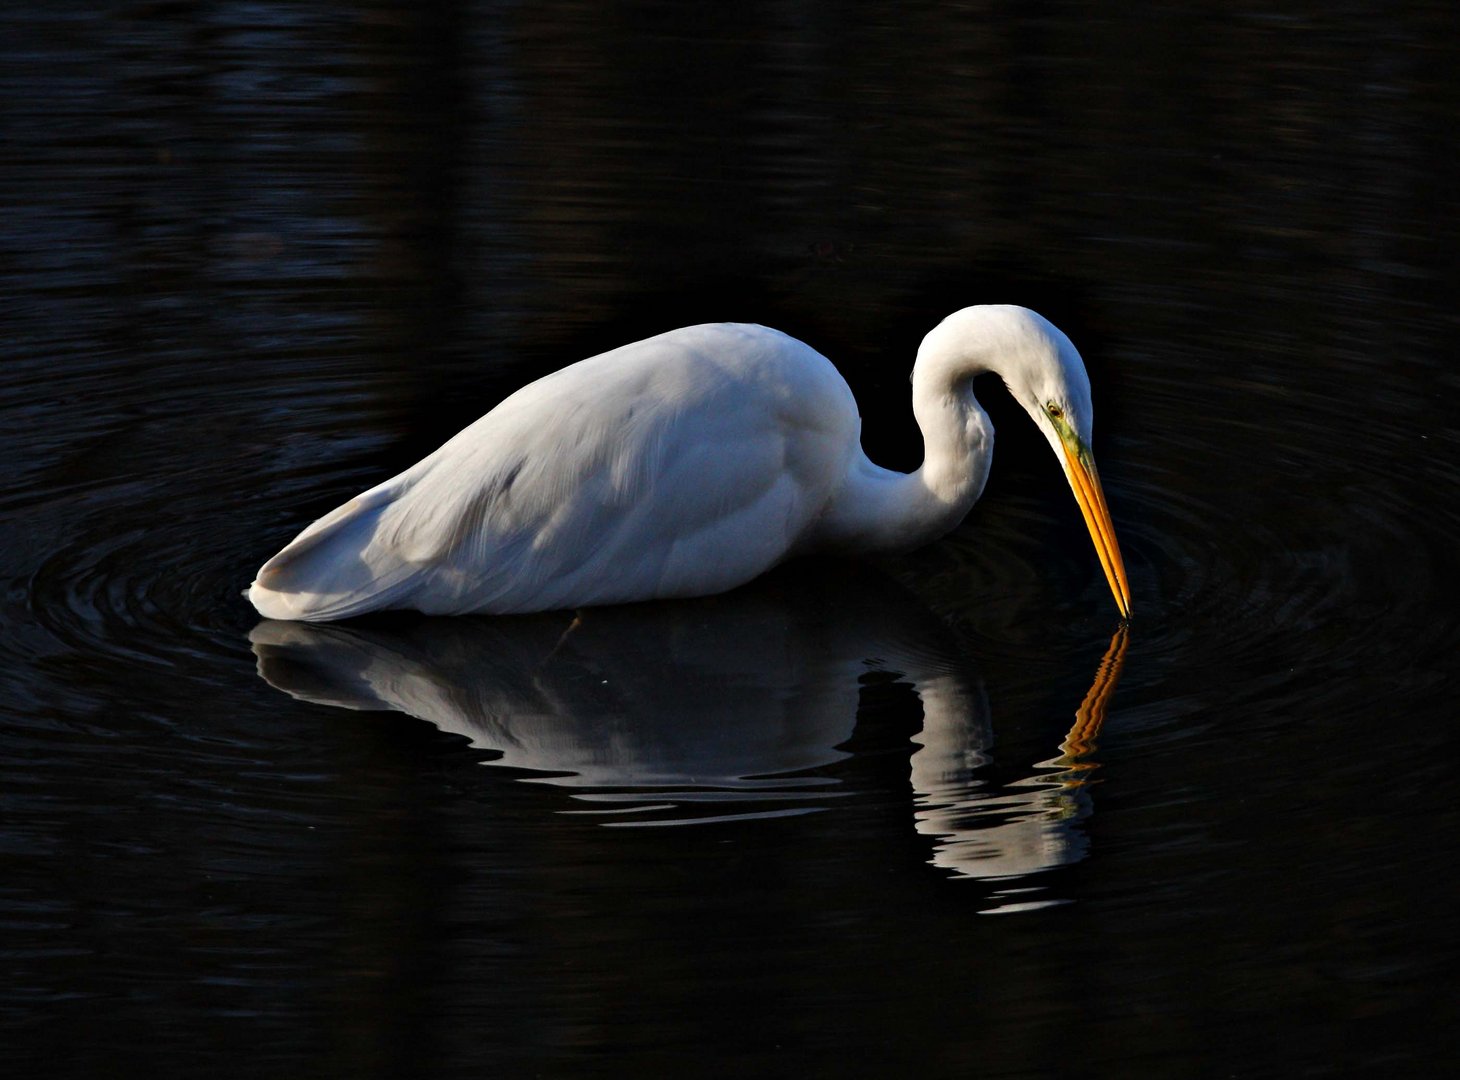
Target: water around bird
x=260 y=259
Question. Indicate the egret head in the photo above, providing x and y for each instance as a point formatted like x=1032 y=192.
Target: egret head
x=1044 y=373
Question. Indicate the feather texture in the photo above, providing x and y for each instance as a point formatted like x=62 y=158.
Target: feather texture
x=559 y=496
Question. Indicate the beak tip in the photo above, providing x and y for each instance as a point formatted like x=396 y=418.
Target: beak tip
x=1085 y=482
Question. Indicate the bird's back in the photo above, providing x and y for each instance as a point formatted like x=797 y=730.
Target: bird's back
x=681 y=465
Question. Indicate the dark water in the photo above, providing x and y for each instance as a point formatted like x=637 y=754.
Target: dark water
x=256 y=256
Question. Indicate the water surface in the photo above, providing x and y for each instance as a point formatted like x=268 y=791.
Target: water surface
x=851 y=820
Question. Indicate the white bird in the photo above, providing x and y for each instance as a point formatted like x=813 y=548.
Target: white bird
x=684 y=465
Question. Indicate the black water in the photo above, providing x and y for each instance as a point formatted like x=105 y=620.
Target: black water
x=255 y=257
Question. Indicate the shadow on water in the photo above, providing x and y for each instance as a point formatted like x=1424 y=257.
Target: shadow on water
x=729 y=708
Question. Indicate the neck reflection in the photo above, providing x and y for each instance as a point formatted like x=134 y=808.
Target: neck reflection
x=1028 y=825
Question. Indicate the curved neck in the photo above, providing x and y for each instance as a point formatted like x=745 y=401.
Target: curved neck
x=881 y=510
x=958 y=437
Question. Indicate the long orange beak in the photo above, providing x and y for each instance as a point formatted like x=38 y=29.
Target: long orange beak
x=1085 y=481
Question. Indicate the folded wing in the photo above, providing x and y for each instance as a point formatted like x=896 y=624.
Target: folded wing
x=682 y=465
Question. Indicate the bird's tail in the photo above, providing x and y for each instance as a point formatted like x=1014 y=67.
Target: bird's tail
x=327 y=572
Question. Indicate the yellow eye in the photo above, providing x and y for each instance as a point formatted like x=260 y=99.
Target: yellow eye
x=1055 y=412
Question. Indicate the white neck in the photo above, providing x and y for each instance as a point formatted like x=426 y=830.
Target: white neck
x=881 y=510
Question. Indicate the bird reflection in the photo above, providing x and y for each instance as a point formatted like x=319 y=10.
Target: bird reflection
x=1033 y=823
x=733 y=706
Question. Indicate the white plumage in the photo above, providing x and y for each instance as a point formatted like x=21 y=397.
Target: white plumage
x=681 y=465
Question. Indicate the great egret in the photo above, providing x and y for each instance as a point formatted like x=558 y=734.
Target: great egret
x=684 y=465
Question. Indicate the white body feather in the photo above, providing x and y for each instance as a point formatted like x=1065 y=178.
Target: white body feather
x=561 y=495
x=682 y=465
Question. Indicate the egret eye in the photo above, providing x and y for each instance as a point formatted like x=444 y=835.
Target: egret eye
x=1055 y=412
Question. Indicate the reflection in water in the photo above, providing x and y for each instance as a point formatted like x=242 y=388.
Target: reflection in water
x=257 y=253
x=729 y=707
x=1034 y=822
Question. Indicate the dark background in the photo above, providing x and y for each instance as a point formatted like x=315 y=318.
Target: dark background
x=255 y=257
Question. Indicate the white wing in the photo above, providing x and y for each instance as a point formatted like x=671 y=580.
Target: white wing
x=682 y=465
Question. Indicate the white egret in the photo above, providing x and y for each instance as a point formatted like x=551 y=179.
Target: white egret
x=684 y=465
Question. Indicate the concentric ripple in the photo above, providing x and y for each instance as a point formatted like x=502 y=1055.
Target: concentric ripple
x=130 y=541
